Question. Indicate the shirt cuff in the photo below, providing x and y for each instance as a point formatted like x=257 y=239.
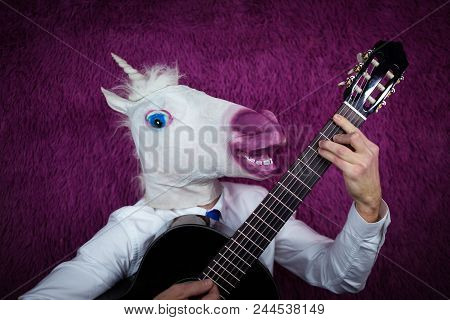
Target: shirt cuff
x=362 y=229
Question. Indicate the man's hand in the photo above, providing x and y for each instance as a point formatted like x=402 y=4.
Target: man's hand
x=359 y=167
x=203 y=289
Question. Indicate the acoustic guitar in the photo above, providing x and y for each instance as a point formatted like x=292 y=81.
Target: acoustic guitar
x=195 y=247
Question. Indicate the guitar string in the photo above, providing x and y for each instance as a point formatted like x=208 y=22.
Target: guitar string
x=277 y=200
x=326 y=163
x=367 y=82
x=290 y=213
x=218 y=261
x=357 y=96
x=322 y=165
x=227 y=264
x=284 y=193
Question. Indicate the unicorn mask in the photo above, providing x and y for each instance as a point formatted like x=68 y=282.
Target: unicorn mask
x=186 y=139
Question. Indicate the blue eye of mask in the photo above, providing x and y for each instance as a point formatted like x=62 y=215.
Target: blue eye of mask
x=157 y=119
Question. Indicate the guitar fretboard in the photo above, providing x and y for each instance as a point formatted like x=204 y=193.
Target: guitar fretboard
x=246 y=245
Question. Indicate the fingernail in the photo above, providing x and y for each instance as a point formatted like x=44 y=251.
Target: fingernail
x=336 y=117
x=320 y=143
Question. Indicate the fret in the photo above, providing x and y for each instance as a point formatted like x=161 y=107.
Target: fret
x=307 y=157
x=230 y=262
x=320 y=132
x=207 y=276
x=272 y=196
x=240 y=245
x=309 y=168
x=312 y=149
x=248 y=264
x=250 y=239
x=298 y=179
x=257 y=231
x=262 y=204
x=304 y=173
x=221 y=277
x=351 y=114
x=255 y=215
x=354 y=110
x=331 y=127
x=287 y=189
x=227 y=271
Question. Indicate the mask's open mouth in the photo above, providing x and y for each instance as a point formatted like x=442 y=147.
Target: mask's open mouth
x=256 y=153
x=260 y=157
x=257 y=136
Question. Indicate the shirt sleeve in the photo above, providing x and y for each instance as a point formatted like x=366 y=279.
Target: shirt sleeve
x=340 y=265
x=108 y=257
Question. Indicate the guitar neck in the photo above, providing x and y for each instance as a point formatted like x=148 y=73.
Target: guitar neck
x=261 y=227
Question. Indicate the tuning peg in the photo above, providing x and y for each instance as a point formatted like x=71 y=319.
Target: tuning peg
x=382 y=104
x=390 y=92
x=362 y=57
x=356 y=68
x=347 y=82
x=400 y=79
x=366 y=55
x=359 y=57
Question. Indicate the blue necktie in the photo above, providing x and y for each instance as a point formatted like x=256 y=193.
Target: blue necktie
x=213 y=214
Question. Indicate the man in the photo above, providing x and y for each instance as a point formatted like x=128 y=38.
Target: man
x=115 y=252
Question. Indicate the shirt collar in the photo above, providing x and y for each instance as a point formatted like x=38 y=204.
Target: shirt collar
x=201 y=211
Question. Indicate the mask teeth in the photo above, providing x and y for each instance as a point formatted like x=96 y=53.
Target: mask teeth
x=259 y=162
x=249 y=159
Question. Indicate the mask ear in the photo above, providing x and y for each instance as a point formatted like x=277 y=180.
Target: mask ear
x=116 y=103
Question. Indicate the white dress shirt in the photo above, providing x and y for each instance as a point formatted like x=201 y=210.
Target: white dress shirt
x=115 y=252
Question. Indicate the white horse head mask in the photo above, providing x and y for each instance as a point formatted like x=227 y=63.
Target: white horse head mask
x=187 y=139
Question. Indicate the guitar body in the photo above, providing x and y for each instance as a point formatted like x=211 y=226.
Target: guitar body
x=180 y=254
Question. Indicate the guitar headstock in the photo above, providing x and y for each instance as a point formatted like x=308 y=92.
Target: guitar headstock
x=374 y=77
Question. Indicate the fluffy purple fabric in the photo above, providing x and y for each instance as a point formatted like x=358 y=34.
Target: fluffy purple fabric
x=64 y=165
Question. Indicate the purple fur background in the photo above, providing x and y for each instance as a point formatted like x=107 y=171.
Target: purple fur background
x=65 y=166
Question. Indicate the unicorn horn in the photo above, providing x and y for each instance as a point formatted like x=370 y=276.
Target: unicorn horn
x=132 y=73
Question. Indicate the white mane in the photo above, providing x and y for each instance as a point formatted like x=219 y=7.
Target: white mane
x=153 y=79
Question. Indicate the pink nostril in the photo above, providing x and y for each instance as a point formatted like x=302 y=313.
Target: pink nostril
x=247 y=122
x=269 y=114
